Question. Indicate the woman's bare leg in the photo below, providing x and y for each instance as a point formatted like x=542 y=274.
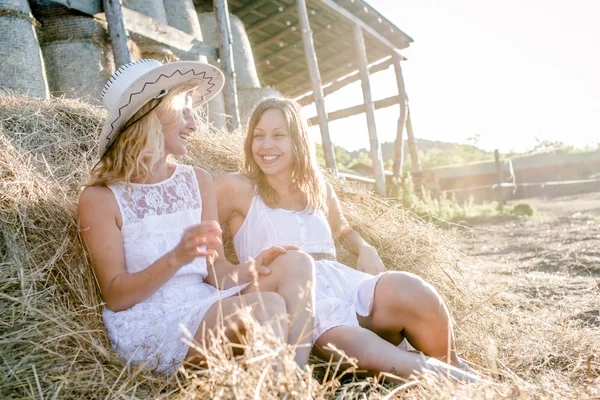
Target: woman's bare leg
x=267 y=308
x=407 y=306
x=376 y=355
x=292 y=277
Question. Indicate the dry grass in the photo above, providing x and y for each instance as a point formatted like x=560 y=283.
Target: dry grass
x=52 y=340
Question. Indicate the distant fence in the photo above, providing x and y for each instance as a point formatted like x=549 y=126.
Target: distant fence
x=537 y=175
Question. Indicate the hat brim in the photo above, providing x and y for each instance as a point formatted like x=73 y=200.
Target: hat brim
x=209 y=83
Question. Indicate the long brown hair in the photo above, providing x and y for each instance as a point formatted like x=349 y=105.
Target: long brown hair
x=306 y=175
x=139 y=147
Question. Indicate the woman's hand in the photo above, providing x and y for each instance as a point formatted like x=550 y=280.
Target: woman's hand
x=198 y=241
x=369 y=260
x=259 y=266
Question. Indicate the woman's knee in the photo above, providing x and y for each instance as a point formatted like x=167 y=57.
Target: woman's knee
x=409 y=292
x=295 y=266
x=268 y=305
x=356 y=342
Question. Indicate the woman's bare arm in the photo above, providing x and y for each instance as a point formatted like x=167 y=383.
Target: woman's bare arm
x=221 y=273
x=99 y=219
x=368 y=258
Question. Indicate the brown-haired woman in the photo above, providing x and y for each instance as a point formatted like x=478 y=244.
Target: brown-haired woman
x=150 y=226
x=281 y=198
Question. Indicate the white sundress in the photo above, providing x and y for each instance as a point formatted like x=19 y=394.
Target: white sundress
x=155 y=217
x=341 y=292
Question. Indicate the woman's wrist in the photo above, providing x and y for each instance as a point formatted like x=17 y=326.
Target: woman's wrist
x=173 y=260
x=365 y=246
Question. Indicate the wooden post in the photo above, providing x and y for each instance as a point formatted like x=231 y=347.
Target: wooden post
x=226 y=55
x=499 y=178
x=399 y=143
x=361 y=58
x=116 y=31
x=412 y=143
x=315 y=79
x=414 y=154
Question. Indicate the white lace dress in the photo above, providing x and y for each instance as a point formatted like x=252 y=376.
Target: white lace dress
x=155 y=217
x=341 y=292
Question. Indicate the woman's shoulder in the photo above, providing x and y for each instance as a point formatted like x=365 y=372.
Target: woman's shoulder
x=96 y=199
x=91 y=194
x=202 y=174
x=236 y=180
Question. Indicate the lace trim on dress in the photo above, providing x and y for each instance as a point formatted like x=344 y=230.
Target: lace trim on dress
x=178 y=192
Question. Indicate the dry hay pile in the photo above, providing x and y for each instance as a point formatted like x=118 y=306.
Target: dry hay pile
x=52 y=340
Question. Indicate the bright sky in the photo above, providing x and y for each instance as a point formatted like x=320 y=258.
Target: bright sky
x=508 y=70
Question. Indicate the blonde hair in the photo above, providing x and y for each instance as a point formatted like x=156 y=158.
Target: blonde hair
x=306 y=175
x=140 y=146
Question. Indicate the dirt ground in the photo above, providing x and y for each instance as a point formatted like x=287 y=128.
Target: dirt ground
x=545 y=275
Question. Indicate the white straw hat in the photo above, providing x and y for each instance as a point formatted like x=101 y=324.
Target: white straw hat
x=136 y=83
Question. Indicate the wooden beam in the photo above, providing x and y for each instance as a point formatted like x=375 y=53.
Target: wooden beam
x=315 y=78
x=350 y=111
x=499 y=178
x=250 y=8
x=412 y=143
x=274 y=39
x=268 y=20
x=289 y=46
x=361 y=58
x=333 y=6
x=142 y=27
x=399 y=142
x=327 y=75
x=225 y=41
x=333 y=57
x=331 y=87
x=116 y=31
x=146 y=28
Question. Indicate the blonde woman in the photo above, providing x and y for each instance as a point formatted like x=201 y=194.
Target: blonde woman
x=282 y=198
x=149 y=226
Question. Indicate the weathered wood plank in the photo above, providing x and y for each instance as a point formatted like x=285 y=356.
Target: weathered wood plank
x=333 y=6
x=399 y=142
x=142 y=27
x=315 y=78
x=412 y=144
x=337 y=85
x=250 y=8
x=269 y=20
x=116 y=31
x=358 y=109
x=361 y=59
x=224 y=39
x=147 y=28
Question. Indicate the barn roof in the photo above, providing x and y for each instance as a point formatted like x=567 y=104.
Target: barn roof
x=275 y=35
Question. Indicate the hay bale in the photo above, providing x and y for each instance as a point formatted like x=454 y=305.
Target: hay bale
x=157 y=52
x=181 y=14
x=53 y=341
x=249 y=98
x=77 y=70
x=76 y=51
x=22 y=66
x=216 y=112
x=152 y=8
x=155 y=10
x=245 y=70
x=243 y=60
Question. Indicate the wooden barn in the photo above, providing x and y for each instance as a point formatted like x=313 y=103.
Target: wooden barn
x=302 y=49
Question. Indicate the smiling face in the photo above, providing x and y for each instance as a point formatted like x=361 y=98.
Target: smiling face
x=178 y=125
x=272 y=146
